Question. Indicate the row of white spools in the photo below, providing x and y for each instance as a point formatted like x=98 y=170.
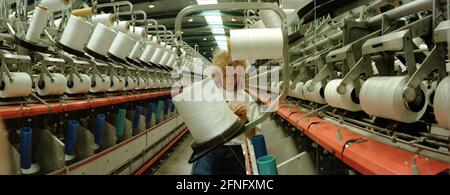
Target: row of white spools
x=21 y=84
x=379 y=96
x=104 y=37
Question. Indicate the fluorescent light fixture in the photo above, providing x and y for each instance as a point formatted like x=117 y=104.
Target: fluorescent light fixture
x=214 y=19
x=191 y=19
x=204 y=2
x=204 y=39
x=217 y=31
x=233 y=20
x=220 y=38
x=151 y=6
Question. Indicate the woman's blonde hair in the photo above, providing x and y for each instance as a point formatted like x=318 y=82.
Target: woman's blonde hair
x=222 y=58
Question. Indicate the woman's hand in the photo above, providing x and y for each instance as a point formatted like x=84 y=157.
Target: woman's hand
x=241 y=111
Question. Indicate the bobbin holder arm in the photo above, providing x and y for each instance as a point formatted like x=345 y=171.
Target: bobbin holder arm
x=244 y=6
x=326 y=71
x=435 y=59
x=12 y=59
x=363 y=65
x=152 y=23
x=157 y=27
x=144 y=15
x=172 y=37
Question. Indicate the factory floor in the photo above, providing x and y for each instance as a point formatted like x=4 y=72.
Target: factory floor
x=177 y=161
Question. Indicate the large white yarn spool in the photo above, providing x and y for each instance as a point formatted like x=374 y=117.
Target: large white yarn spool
x=148 y=52
x=157 y=82
x=76 y=34
x=212 y=115
x=105 y=19
x=156 y=58
x=101 y=85
x=316 y=95
x=297 y=92
x=345 y=101
x=37 y=24
x=289 y=11
x=122 y=26
x=131 y=83
x=117 y=84
x=79 y=86
x=270 y=18
x=441 y=103
x=135 y=51
x=165 y=58
x=172 y=60
x=150 y=83
x=254 y=44
x=138 y=33
x=55 y=87
x=382 y=96
x=142 y=83
x=55 y=5
x=291 y=4
x=101 y=39
x=121 y=46
x=20 y=85
x=258 y=24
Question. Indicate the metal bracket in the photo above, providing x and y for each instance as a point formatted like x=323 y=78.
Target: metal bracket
x=362 y=66
x=12 y=59
x=435 y=59
x=348 y=143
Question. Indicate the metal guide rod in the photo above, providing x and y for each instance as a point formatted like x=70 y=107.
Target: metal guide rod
x=157 y=27
x=243 y=6
x=375 y=21
x=119 y=3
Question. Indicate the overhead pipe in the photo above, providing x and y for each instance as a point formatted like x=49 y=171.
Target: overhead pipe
x=119 y=3
x=375 y=21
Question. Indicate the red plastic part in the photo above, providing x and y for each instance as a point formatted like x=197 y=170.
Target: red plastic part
x=18 y=111
x=369 y=157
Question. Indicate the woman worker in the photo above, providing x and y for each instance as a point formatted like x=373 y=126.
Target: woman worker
x=228 y=159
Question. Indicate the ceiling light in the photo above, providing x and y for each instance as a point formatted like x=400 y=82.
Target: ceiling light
x=191 y=19
x=212 y=49
x=204 y=39
x=233 y=20
x=203 y=2
x=214 y=20
x=151 y=6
